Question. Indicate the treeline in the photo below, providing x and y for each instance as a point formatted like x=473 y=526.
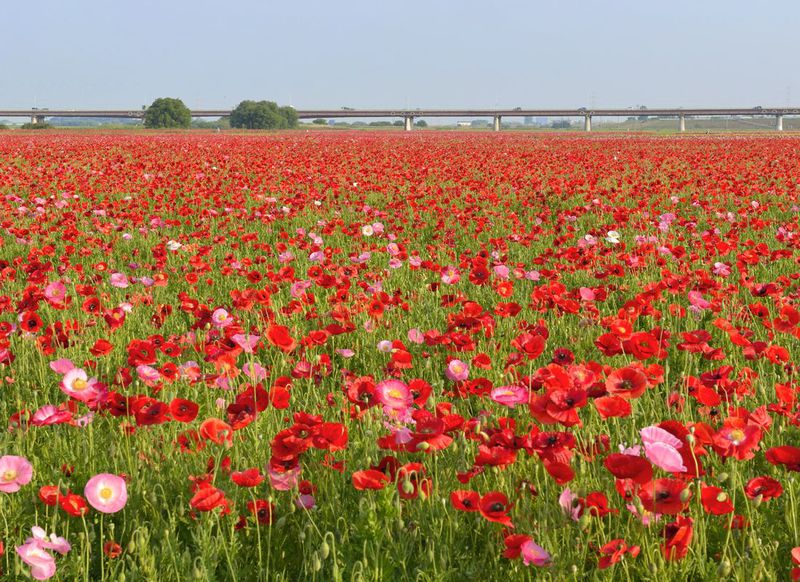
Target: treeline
x=168 y=112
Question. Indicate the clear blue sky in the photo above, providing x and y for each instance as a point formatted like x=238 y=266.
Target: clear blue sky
x=434 y=53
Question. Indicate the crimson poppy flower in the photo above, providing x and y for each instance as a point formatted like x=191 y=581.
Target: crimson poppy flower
x=612 y=552
x=278 y=336
x=30 y=322
x=263 y=511
x=766 y=487
x=786 y=455
x=207 y=497
x=677 y=537
x=494 y=506
x=669 y=496
x=248 y=478
x=183 y=410
x=628 y=382
x=465 y=500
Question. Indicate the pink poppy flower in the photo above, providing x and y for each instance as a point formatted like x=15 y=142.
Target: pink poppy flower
x=509 y=395
x=393 y=394
x=457 y=371
x=221 y=318
x=107 y=493
x=567 y=501
x=415 y=336
x=55 y=292
x=533 y=553
x=61 y=366
x=147 y=374
x=119 y=280
x=77 y=385
x=450 y=275
x=661 y=449
x=246 y=341
x=696 y=300
x=49 y=414
x=286 y=480
x=14 y=473
x=34 y=553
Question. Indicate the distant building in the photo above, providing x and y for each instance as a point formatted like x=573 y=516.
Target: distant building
x=528 y=120
x=541 y=121
x=463 y=124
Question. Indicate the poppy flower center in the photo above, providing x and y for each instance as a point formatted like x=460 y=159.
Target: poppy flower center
x=79 y=384
x=106 y=493
x=736 y=436
x=497 y=506
x=662 y=495
x=9 y=475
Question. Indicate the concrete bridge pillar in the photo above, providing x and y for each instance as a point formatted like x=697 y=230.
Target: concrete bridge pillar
x=681 y=123
x=497 y=122
x=409 y=125
x=779 y=123
x=37 y=118
x=587 y=122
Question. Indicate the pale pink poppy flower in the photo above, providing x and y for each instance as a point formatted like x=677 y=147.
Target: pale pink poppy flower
x=509 y=395
x=415 y=261
x=345 y=352
x=284 y=481
x=316 y=256
x=395 y=263
x=221 y=318
x=645 y=517
x=696 y=300
x=721 y=270
x=534 y=554
x=415 y=336
x=147 y=374
x=661 y=449
x=385 y=346
x=450 y=275
x=567 y=502
x=369 y=325
x=393 y=249
x=119 y=280
x=55 y=292
x=501 y=271
x=393 y=394
x=190 y=371
x=246 y=341
x=298 y=288
x=14 y=473
x=61 y=366
x=377 y=227
x=587 y=294
x=41 y=562
x=457 y=371
x=367 y=230
x=107 y=493
x=533 y=275
x=76 y=384
x=255 y=371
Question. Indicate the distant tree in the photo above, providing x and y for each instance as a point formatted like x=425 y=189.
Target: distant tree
x=561 y=124
x=398 y=123
x=3 y=126
x=262 y=115
x=421 y=123
x=320 y=122
x=643 y=117
x=36 y=126
x=167 y=112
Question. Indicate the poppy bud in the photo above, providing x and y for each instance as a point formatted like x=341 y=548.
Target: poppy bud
x=653 y=568
x=724 y=568
x=121 y=577
x=408 y=487
x=197 y=573
x=722 y=497
x=282 y=522
x=691 y=439
x=131 y=549
x=757 y=500
x=686 y=495
x=484 y=436
x=324 y=550
x=316 y=563
x=722 y=477
x=584 y=521
x=423 y=446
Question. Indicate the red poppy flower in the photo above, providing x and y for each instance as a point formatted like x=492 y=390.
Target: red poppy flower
x=677 y=537
x=628 y=382
x=247 y=478
x=278 y=336
x=30 y=322
x=669 y=496
x=73 y=504
x=766 y=487
x=207 y=497
x=369 y=479
x=465 y=500
x=715 y=500
x=613 y=551
x=183 y=410
x=494 y=506
x=217 y=431
x=263 y=511
x=786 y=455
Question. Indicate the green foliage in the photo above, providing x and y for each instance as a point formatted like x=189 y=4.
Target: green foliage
x=167 y=112
x=320 y=122
x=3 y=126
x=561 y=124
x=221 y=123
x=421 y=123
x=262 y=115
x=36 y=126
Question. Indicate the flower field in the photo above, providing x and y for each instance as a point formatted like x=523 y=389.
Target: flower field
x=389 y=356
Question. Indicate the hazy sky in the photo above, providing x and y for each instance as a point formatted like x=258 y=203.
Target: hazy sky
x=334 y=53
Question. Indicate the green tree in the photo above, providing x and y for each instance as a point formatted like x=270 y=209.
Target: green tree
x=166 y=112
x=421 y=123
x=263 y=115
x=320 y=122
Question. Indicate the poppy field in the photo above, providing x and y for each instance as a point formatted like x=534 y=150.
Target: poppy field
x=389 y=356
